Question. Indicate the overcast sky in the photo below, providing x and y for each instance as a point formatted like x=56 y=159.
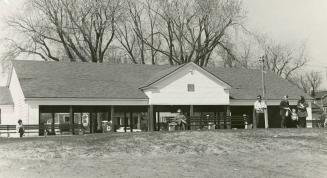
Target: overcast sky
x=288 y=21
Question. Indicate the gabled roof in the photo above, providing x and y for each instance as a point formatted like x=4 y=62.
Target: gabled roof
x=122 y=81
x=5 y=96
x=171 y=71
x=247 y=84
x=83 y=80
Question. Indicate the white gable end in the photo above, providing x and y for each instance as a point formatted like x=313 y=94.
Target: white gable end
x=174 y=89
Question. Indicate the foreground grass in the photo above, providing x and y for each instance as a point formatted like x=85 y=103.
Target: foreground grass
x=223 y=153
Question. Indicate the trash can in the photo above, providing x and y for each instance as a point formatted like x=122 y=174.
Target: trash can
x=171 y=126
x=104 y=126
x=211 y=126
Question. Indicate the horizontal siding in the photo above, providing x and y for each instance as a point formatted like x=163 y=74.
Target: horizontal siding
x=173 y=91
x=20 y=107
x=7 y=115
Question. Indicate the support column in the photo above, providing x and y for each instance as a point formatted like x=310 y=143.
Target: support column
x=191 y=110
x=266 y=118
x=309 y=117
x=53 y=123
x=158 y=123
x=228 y=114
x=71 y=114
x=189 y=119
x=151 y=118
x=138 y=121
x=125 y=121
x=113 y=120
x=254 y=122
x=131 y=121
x=108 y=113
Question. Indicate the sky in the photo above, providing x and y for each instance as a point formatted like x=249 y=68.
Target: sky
x=293 y=22
x=286 y=21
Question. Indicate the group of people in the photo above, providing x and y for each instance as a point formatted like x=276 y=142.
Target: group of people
x=290 y=116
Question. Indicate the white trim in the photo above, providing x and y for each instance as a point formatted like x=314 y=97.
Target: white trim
x=10 y=74
x=234 y=102
x=86 y=101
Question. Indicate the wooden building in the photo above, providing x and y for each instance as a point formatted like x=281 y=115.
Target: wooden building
x=139 y=97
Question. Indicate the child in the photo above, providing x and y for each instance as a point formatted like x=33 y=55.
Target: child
x=20 y=128
x=294 y=117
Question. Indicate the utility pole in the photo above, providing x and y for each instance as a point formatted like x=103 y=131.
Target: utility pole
x=262 y=60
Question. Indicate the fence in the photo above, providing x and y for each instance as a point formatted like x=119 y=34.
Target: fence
x=228 y=122
x=41 y=129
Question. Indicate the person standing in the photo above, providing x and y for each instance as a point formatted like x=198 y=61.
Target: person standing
x=284 y=110
x=20 y=128
x=302 y=112
x=181 y=120
x=259 y=107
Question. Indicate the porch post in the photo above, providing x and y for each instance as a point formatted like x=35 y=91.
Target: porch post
x=151 y=119
x=131 y=121
x=228 y=114
x=139 y=121
x=266 y=118
x=254 y=122
x=108 y=113
x=113 y=120
x=125 y=121
x=53 y=123
x=71 y=114
x=191 y=115
x=309 y=117
x=158 y=123
x=191 y=110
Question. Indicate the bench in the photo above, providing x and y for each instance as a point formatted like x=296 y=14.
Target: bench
x=7 y=129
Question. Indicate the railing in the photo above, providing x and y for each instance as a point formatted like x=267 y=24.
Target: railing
x=227 y=122
x=41 y=129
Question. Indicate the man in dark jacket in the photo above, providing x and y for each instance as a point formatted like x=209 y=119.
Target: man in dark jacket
x=284 y=110
x=302 y=112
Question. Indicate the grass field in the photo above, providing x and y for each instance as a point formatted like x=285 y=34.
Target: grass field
x=223 y=153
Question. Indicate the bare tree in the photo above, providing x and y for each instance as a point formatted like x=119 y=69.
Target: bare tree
x=191 y=30
x=301 y=82
x=80 y=29
x=314 y=79
x=309 y=81
x=282 y=59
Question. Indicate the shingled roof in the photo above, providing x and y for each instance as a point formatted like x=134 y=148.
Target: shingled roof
x=5 y=96
x=122 y=81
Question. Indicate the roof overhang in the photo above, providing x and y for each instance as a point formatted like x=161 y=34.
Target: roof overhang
x=248 y=102
x=87 y=101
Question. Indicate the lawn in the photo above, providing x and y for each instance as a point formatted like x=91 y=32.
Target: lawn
x=222 y=153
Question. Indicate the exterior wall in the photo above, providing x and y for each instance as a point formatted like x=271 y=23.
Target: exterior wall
x=173 y=90
x=7 y=115
x=20 y=107
x=33 y=114
x=323 y=103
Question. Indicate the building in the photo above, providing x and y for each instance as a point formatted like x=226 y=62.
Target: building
x=135 y=96
x=321 y=99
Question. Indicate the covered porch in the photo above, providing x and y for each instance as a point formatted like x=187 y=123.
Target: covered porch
x=74 y=119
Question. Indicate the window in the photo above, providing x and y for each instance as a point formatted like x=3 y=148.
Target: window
x=190 y=88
